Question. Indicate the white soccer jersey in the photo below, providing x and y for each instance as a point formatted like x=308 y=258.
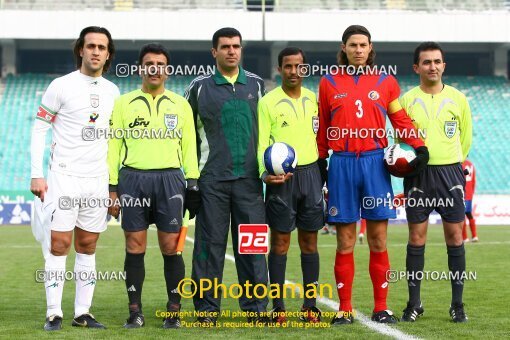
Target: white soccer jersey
x=72 y=103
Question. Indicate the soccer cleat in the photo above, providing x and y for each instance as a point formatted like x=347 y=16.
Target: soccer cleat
x=360 y=238
x=324 y=231
x=87 y=320
x=466 y=240
x=411 y=313
x=205 y=321
x=457 y=313
x=310 y=314
x=260 y=319
x=277 y=315
x=135 y=320
x=342 y=318
x=53 y=323
x=384 y=316
x=474 y=239
x=174 y=320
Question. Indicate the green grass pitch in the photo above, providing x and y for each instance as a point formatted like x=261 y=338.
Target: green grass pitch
x=486 y=298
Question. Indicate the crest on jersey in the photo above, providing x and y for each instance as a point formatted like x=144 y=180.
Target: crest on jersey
x=94 y=100
x=333 y=211
x=171 y=121
x=93 y=117
x=374 y=95
x=315 y=124
x=450 y=128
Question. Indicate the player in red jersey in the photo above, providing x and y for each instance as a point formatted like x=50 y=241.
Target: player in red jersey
x=469 y=170
x=350 y=107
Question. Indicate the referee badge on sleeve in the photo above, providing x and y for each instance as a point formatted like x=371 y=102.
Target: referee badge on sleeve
x=450 y=127
x=315 y=124
x=170 y=121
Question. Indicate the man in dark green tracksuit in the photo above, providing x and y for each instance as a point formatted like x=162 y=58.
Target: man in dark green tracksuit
x=225 y=109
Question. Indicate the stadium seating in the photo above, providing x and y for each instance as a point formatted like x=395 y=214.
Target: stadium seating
x=489 y=98
x=276 y=5
x=120 y=5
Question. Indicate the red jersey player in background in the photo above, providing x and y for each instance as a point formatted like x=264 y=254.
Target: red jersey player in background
x=362 y=230
x=352 y=104
x=469 y=171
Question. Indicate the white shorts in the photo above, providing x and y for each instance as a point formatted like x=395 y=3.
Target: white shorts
x=77 y=201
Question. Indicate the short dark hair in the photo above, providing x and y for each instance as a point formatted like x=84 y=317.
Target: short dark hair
x=426 y=46
x=80 y=42
x=153 y=48
x=228 y=32
x=290 y=51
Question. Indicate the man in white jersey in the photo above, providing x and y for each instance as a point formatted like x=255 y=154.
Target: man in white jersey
x=77 y=187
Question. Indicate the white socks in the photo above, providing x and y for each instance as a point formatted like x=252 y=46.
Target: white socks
x=85 y=274
x=55 y=267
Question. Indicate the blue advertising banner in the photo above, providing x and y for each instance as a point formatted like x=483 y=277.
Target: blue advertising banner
x=15 y=213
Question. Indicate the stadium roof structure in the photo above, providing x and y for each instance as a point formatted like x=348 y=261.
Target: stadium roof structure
x=280 y=20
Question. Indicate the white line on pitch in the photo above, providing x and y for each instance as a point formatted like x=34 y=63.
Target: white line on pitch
x=379 y=328
x=365 y=320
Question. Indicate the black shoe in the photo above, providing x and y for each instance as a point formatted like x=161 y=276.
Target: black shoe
x=411 y=313
x=87 y=320
x=53 y=323
x=342 y=318
x=277 y=315
x=135 y=320
x=206 y=321
x=310 y=314
x=384 y=316
x=457 y=313
x=174 y=320
x=259 y=319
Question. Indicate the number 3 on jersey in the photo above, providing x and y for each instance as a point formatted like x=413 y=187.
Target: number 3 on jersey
x=359 y=104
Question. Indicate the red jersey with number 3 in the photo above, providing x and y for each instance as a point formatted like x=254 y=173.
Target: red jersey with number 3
x=353 y=111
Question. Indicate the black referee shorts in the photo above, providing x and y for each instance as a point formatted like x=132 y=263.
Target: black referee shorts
x=164 y=190
x=299 y=202
x=437 y=187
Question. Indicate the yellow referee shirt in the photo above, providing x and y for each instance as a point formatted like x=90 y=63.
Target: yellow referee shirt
x=445 y=119
x=288 y=120
x=152 y=133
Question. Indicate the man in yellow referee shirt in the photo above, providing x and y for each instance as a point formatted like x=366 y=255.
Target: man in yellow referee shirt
x=158 y=139
x=443 y=113
x=289 y=114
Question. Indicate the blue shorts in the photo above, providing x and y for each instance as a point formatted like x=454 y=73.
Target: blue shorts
x=359 y=182
x=469 y=206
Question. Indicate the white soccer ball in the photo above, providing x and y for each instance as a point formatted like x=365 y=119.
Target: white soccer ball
x=280 y=159
x=397 y=159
